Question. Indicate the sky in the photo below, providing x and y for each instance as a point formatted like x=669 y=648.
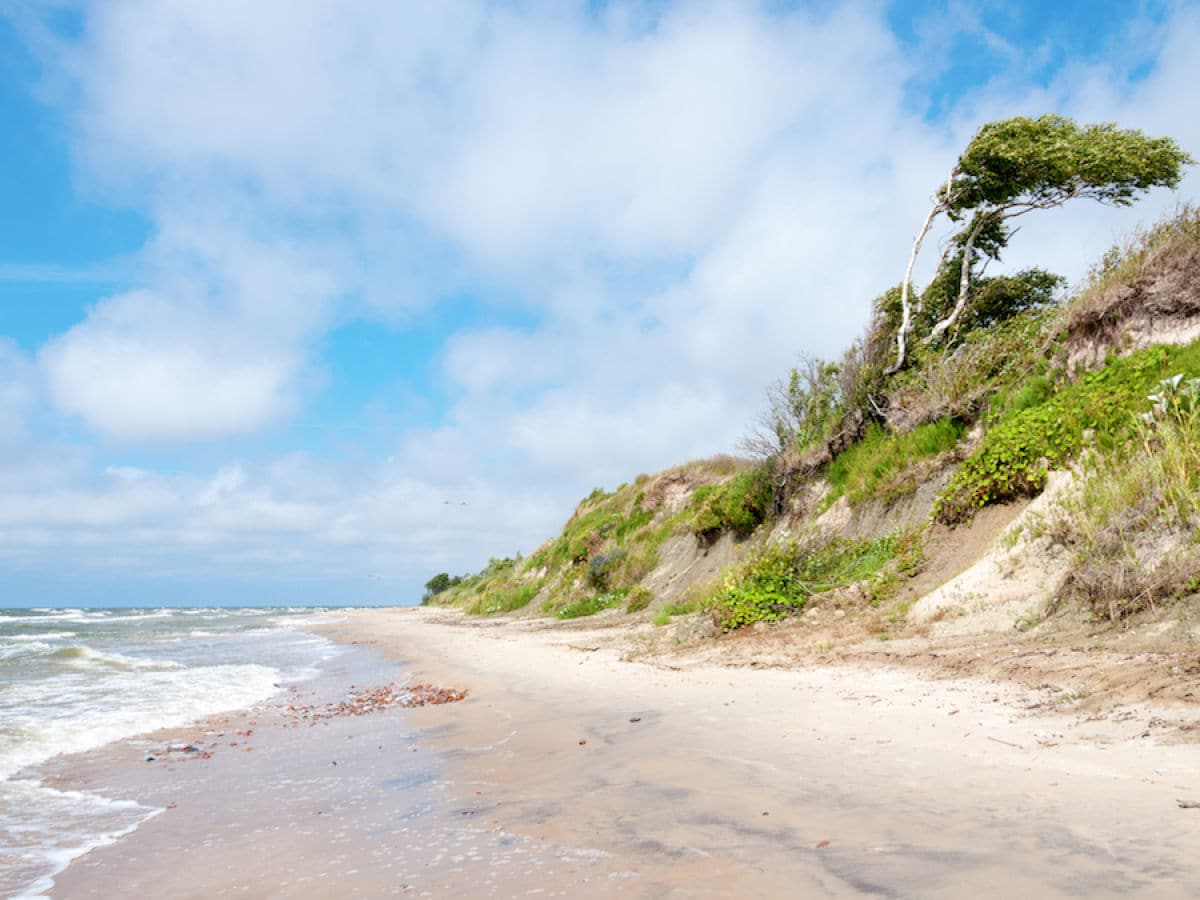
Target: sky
x=302 y=302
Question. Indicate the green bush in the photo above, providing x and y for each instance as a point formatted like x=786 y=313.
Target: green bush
x=779 y=579
x=993 y=300
x=1016 y=454
x=439 y=584
x=739 y=505
x=592 y=604
x=508 y=599
x=639 y=598
x=601 y=567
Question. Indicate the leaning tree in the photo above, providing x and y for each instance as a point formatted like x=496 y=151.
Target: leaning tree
x=1019 y=165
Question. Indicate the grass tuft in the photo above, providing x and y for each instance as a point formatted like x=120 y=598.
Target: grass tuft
x=1131 y=525
x=884 y=466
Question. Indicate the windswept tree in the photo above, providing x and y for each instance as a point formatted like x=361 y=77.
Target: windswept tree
x=1019 y=165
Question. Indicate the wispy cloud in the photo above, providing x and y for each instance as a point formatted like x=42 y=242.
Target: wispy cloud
x=677 y=203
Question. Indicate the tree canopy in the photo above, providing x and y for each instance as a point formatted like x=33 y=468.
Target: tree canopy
x=440 y=582
x=1018 y=165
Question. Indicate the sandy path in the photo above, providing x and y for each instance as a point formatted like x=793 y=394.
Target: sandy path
x=822 y=782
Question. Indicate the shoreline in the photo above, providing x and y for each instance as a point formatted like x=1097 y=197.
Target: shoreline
x=352 y=805
x=921 y=787
x=568 y=770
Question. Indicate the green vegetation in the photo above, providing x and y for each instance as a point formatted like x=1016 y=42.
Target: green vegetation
x=882 y=465
x=804 y=410
x=1018 y=451
x=671 y=610
x=782 y=577
x=639 y=598
x=591 y=604
x=601 y=519
x=1132 y=525
x=739 y=505
x=611 y=543
x=504 y=600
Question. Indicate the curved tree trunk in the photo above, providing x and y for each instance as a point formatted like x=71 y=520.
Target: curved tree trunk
x=964 y=282
x=940 y=204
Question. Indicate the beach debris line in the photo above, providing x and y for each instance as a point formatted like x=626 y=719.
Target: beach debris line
x=364 y=701
x=175 y=752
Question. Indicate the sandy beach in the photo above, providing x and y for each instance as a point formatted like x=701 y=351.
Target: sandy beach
x=571 y=772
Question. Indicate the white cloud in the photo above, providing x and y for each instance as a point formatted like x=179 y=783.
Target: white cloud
x=1143 y=84
x=291 y=521
x=144 y=368
x=17 y=394
x=215 y=350
x=681 y=204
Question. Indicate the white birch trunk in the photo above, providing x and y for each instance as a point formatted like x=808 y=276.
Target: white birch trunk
x=964 y=283
x=939 y=205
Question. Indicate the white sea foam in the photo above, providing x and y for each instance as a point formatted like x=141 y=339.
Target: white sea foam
x=17 y=651
x=85 y=712
x=57 y=616
x=301 y=621
x=42 y=830
x=109 y=675
x=40 y=636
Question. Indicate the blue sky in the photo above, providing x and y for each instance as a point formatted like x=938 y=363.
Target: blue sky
x=302 y=303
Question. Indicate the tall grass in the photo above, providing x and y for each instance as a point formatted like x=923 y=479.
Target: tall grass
x=881 y=465
x=1132 y=525
x=1109 y=293
x=507 y=599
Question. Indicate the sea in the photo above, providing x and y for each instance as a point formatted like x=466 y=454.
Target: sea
x=72 y=680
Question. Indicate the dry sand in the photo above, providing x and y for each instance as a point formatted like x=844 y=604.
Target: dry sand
x=570 y=772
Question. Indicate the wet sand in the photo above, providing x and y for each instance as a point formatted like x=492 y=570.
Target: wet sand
x=569 y=772
x=273 y=806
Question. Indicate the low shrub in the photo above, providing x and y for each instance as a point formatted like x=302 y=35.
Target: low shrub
x=592 y=604
x=506 y=599
x=1019 y=450
x=780 y=578
x=739 y=505
x=639 y=598
x=601 y=568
